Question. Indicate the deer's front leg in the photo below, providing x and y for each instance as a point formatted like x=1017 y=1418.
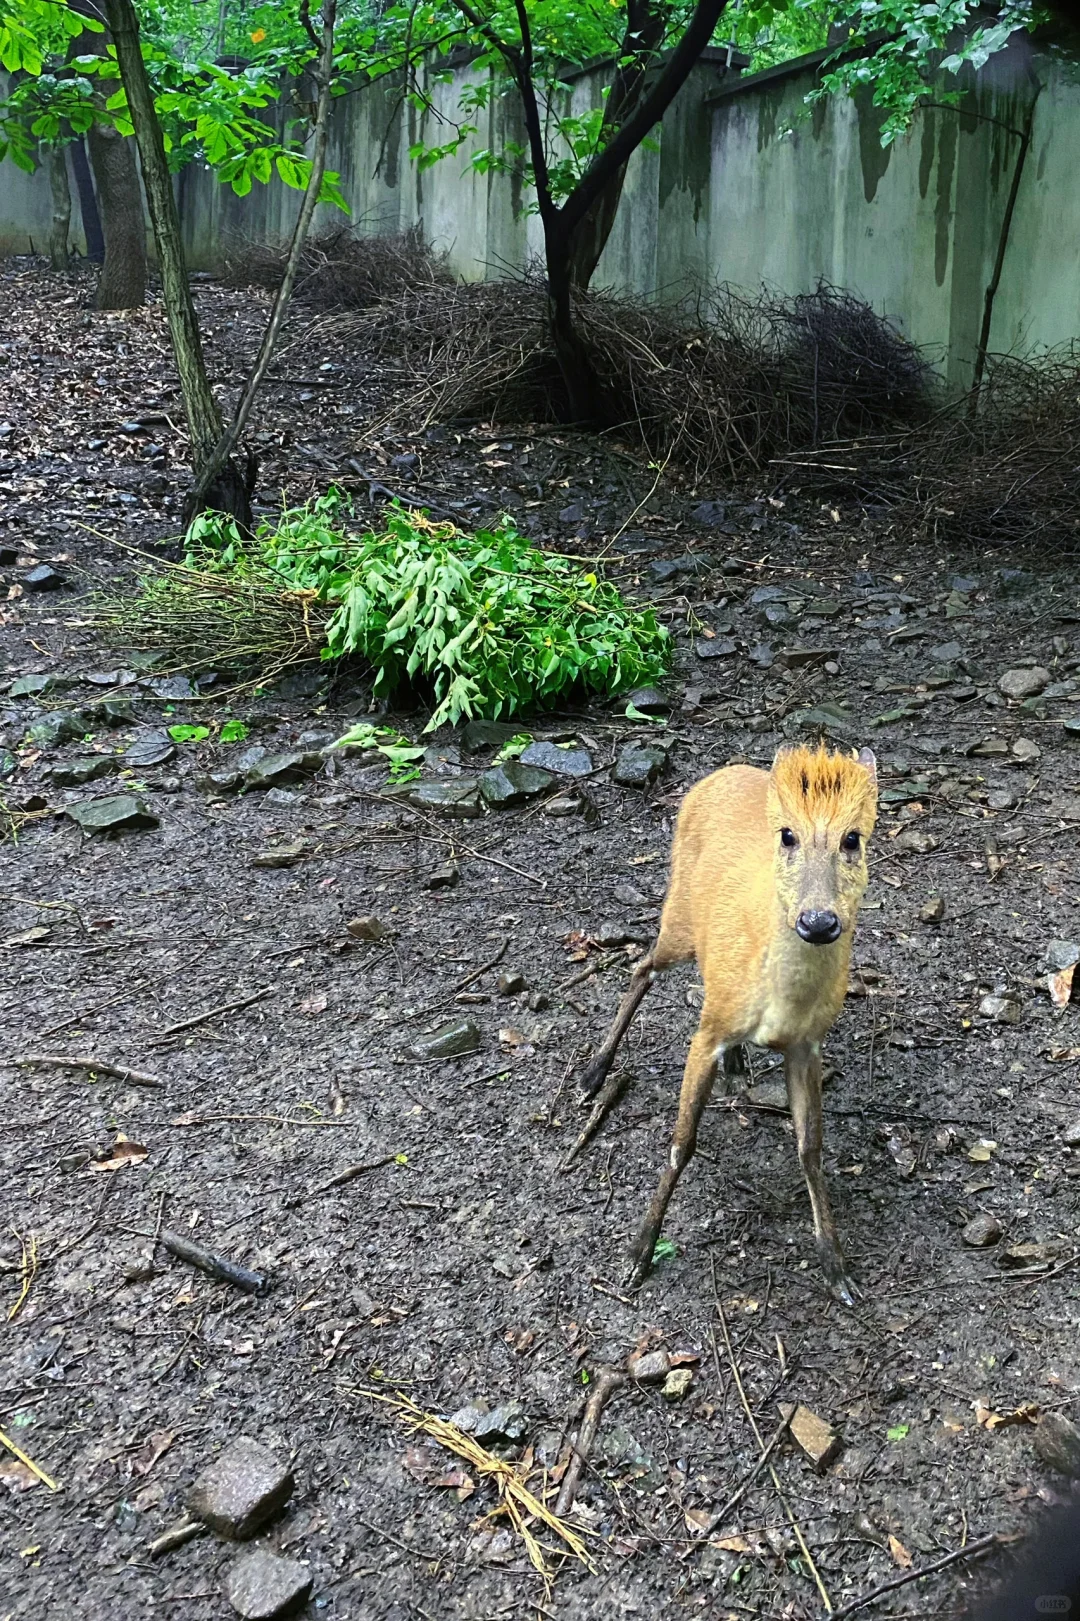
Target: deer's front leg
x=802 y=1070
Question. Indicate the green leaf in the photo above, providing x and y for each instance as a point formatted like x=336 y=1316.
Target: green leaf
x=233 y=731
x=664 y=1250
x=189 y=734
x=897 y=1432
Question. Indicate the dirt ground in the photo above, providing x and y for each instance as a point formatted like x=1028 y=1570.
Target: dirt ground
x=466 y=1267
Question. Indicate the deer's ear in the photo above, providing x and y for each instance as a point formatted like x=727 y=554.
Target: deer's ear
x=868 y=761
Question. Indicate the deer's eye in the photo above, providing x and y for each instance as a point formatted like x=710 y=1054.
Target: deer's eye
x=787 y=838
x=850 y=841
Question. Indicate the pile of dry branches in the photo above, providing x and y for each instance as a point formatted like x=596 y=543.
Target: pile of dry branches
x=999 y=468
x=721 y=383
x=340 y=270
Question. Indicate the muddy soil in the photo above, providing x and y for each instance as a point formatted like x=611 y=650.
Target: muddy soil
x=463 y=1265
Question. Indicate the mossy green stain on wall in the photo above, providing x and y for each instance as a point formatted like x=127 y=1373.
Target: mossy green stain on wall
x=771 y=99
x=873 y=156
x=926 y=150
x=943 y=205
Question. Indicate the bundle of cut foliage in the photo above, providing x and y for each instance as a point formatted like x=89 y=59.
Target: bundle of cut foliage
x=720 y=382
x=340 y=270
x=996 y=468
x=484 y=624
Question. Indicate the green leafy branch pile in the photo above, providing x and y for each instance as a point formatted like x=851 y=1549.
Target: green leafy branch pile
x=485 y=622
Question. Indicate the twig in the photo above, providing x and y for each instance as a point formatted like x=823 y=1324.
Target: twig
x=973 y=1549
x=216 y=1266
x=35 y=1469
x=734 y=1501
x=609 y=1095
x=478 y=973
x=266 y=1119
x=607 y=1382
x=212 y=1013
x=793 y=1522
x=76 y=1061
x=349 y=1174
x=175 y=1537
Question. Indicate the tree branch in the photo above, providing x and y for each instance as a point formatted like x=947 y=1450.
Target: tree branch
x=676 y=70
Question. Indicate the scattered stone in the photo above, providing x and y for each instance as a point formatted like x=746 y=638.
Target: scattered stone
x=445 y=877
x=478 y=735
x=1000 y=1009
x=367 y=928
x=112 y=814
x=1026 y=751
x=769 y=1095
x=32 y=686
x=1000 y=799
x=828 y=717
x=824 y=608
x=915 y=840
x=1057 y=1442
x=565 y=805
x=110 y=678
x=240 y=1490
x=571 y=761
x=796 y=658
x=173 y=688
x=301 y=684
x=282 y=798
x=220 y=782
x=988 y=747
x=459 y=799
x=981 y=1231
x=762 y=655
x=669 y=568
x=261 y=1585
x=778 y=615
x=710 y=514
x=42 y=578
x=539 y=1001
x=156 y=748
x=281 y=855
x=1061 y=954
x=933 y=910
x=75 y=773
x=947 y=652
x=1019 y=1257
x=451 y=1041
x=505 y=1424
x=1014 y=582
x=649 y=701
x=650 y=1367
x=275 y=770
x=60 y=726
x=816 y=1439
x=1024 y=683
x=510 y=982
x=638 y=765
x=677 y=1384
x=1071 y=1135
x=574 y=513
x=609 y=935
x=513 y=783
x=1071 y=729
x=715 y=647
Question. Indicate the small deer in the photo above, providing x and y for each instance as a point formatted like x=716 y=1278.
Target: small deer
x=767 y=872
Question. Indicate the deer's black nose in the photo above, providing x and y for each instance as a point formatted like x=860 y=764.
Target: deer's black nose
x=818 y=928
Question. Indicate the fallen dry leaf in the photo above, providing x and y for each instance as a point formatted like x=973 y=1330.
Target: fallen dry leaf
x=16 y=1476
x=316 y=1003
x=155 y=1446
x=730 y=1544
x=982 y=1150
x=29 y=937
x=1026 y=1413
x=899 y=1553
x=1061 y=987
x=123 y=1152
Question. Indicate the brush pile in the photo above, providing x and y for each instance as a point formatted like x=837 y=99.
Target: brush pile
x=720 y=383
x=996 y=468
x=340 y=270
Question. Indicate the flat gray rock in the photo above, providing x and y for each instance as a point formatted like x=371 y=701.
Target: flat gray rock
x=451 y=1041
x=458 y=799
x=113 y=814
x=274 y=770
x=638 y=765
x=565 y=762
x=77 y=772
x=513 y=783
x=239 y=1491
x=261 y=1585
x=1024 y=683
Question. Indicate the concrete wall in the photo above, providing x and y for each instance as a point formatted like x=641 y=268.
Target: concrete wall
x=748 y=186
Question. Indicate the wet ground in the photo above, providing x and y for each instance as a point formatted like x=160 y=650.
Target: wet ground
x=211 y=952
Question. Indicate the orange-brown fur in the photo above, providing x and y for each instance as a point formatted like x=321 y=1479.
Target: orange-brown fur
x=737 y=890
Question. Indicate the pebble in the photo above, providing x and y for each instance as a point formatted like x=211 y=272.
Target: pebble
x=445 y=877
x=506 y=1423
x=677 y=1384
x=715 y=647
x=915 y=840
x=240 y=1490
x=539 y=1001
x=112 y=814
x=933 y=910
x=981 y=1231
x=478 y=735
x=649 y=701
x=220 y=782
x=513 y=783
x=60 y=726
x=459 y=800
x=1061 y=954
x=650 y=1367
x=510 y=982
x=1057 y=1442
x=75 y=773
x=1071 y=1135
x=1024 y=683
x=709 y=514
x=261 y=1585
x=42 y=578
x=172 y=688
x=638 y=765
x=565 y=762
x=32 y=686
x=274 y=770
x=618 y=934
x=367 y=928
x=281 y=855
x=815 y=1438
x=1000 y=1009
x=451 y=1041
x=565 y=805
x=1026 y=751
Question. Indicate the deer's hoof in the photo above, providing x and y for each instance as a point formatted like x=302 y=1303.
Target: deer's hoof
x=841 y=1284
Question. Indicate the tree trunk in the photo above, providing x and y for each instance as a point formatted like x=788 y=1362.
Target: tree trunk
x=588 y=401
x=60 y=225
x=231 y=491
x=122 y=284
x=589 y=238
x=95 y=242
